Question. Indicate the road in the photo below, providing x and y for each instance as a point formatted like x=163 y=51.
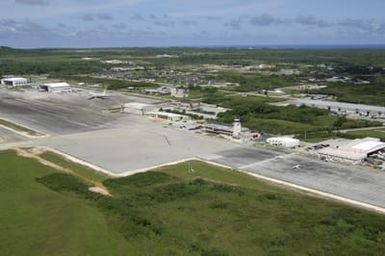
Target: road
x=363 y=129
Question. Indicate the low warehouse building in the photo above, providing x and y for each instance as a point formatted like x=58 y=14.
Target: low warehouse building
x=209 y=110
x=56 y=87
x=352 y=151
x=14 y=81
x=138 y=108
x=286 y=142
x=179 y=92
x=166 y=116
x=236 y=131
x=163 y=90
x=357 y=110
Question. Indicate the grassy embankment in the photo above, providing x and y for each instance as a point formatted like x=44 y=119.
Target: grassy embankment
x=187 y=209
x=81 y=170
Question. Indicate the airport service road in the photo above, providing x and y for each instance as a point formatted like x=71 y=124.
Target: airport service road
x=348 y=181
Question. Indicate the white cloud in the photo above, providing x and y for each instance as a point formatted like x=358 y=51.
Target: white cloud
x=31 y=2
x=97 y=16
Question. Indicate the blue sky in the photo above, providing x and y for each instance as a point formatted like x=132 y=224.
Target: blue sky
x=120 y=23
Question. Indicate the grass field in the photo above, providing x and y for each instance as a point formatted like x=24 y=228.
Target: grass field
x=371 y=94
x=186 y=209
x=38 y=221
x=315 y=137
x=380 y=133
x=258 y=114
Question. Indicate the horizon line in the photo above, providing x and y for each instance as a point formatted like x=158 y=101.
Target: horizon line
x=213 y=46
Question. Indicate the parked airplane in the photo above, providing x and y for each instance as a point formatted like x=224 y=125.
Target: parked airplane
x=96 y=95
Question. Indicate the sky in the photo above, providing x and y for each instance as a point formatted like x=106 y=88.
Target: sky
x=142 y=23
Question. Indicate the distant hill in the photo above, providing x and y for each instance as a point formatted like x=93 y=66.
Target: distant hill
x=6 y=49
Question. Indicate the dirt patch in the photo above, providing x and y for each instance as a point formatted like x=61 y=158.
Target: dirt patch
x=99 y=191
x=34 y=153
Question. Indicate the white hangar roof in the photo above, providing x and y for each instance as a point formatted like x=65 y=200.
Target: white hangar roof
x=57 y=85
x=15 y=79
x=369 y=145
x=137 y=105
x=355 y=150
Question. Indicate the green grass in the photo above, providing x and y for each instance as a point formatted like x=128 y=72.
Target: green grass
x=82 y=170
x=315 y=137
x=187 y=209
x=256 y=81
x=19 y=128
x=257 y=114
x=371 y=94
x=380 y=133
x=38 y=221
x=215 y=211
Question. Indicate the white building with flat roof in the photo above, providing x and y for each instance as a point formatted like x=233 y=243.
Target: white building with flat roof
x=14 y=81
x=171 y=117
x=286 y=142
x=209 y=110
x=138 y=108
x=61 y=87
x=179 y=92
x=352 y=150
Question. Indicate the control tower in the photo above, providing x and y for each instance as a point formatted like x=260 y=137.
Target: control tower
x=237 y=128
